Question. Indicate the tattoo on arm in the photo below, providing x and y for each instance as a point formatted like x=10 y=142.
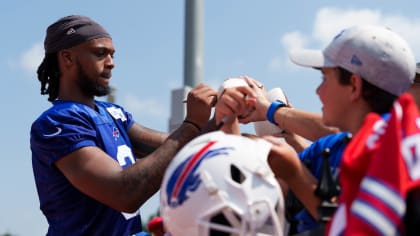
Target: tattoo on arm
x=148 y=172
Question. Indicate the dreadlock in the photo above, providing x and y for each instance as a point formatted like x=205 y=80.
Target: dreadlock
x=48 y=74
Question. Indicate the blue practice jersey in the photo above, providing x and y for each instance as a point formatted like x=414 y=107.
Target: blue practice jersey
x=313 y=156
x=62 y=129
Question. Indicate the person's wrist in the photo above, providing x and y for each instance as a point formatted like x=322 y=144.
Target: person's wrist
x=264 y=109
x=271 y=111
x=211 y=125
x=186 y=121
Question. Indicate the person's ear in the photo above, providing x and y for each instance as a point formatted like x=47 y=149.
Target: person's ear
x=357 y=85
x=66 y=57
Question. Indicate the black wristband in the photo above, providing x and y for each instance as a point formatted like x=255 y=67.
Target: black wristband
x=193 y=124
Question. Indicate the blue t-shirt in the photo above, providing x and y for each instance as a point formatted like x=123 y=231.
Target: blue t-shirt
x=313 y=155
x=62 y=129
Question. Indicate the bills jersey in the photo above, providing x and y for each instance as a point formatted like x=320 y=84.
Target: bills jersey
x=62 y=129
x=377 y=170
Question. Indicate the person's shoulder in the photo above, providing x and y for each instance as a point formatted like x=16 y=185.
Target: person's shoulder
x=106 y=104
x=56 y=117
x=68 y=108
x=332 y=138
x=109 y=106
x=64 y=111
x=334 y=142
x=54 y=110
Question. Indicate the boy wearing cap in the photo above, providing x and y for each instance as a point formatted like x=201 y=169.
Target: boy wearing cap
x=84 y=151
x=364 y=69
x=387 y=200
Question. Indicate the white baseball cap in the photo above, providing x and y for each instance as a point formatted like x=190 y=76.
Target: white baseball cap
x=375 y=53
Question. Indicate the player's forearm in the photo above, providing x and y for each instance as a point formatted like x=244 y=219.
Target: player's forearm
x=144 y=140
x=291 y=170
x=303 y=186
x=231 y=127
x=306 y=124
x=296 y=141
x=143 y=179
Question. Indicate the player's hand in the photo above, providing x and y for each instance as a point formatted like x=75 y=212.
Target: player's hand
x=200 y=101
x=261 y=103
x=234 y=102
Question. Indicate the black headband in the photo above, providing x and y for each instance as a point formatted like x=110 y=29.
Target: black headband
x=70 y=31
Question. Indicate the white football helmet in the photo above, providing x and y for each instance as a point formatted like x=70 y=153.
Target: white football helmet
x=221 y=184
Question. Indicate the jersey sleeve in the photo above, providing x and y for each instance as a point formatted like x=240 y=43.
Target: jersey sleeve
x=312 y=156
x=308 y=155
x=59 y=133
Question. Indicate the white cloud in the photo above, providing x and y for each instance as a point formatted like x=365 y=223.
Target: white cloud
x=30 y=59
x=331 y=20
x=290 y=41
x=294 y=40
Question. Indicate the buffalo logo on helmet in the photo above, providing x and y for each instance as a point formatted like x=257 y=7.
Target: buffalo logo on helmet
x=185 y=179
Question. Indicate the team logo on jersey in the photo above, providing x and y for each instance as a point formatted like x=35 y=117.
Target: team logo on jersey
x=57 y=132
x=184 y=179
x=115 y=133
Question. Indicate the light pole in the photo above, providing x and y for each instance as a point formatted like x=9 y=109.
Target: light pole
x=193 y=59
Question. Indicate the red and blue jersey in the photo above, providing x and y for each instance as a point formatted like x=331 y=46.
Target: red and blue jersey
x=62 y=129
x=378 y=168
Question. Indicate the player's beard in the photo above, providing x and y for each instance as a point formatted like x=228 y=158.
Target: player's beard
x=90 y=86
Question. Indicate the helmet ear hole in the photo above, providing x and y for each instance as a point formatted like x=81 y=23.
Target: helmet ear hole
x=236 y=174
x=277 y=206
x=226 y=217
x=219 y=219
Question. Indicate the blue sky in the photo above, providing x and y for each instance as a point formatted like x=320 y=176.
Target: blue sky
x=242 y=37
